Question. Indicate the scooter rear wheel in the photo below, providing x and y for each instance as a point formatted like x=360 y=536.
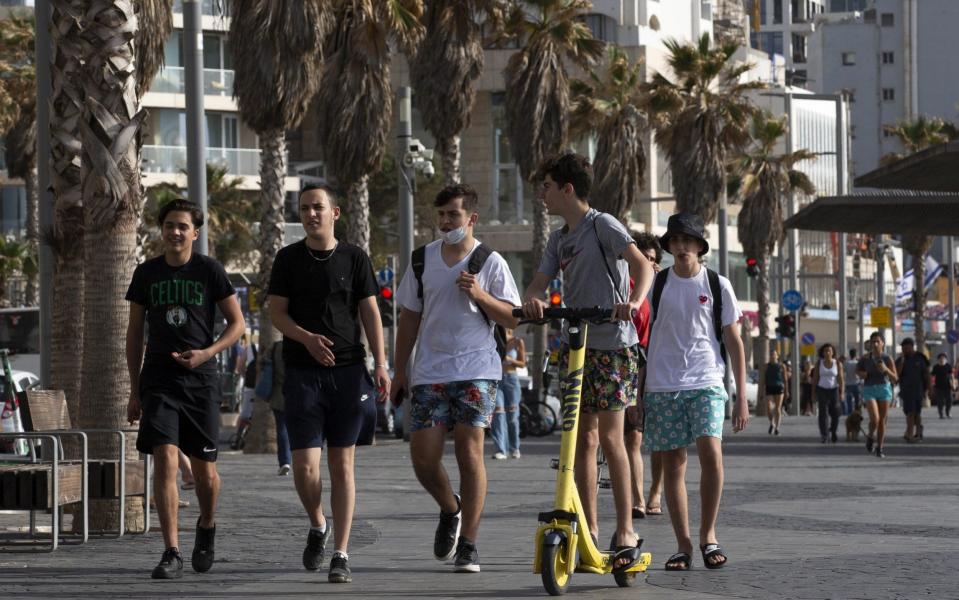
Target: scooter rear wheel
x=555 y=568
x=625 y=579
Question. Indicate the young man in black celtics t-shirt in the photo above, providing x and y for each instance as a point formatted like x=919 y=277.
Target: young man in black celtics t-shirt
x=175 y=395
x=320 y=288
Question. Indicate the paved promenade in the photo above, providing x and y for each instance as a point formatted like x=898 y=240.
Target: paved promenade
x=799 y=520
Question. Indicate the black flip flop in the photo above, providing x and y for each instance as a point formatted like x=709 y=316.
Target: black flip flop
x=680 y=557
x=654 y=511
x=626 y=552
x=638 y=513
x=710 y=550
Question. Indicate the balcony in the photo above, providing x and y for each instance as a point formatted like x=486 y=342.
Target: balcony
x=243 y=162
x=172 y=80
x=207 y=8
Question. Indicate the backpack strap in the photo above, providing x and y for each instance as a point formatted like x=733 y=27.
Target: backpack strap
x=475 y=265
x=658 y=284
x=613 y=278
x=418 y=262
x=716 y=289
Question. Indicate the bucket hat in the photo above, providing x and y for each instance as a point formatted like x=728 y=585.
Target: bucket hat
x=688 y=224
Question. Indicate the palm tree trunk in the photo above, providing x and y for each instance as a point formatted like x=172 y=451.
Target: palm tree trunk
x=450 y=155
x=33 y=234
x=66 y=344
x=356 y=214
x=919 y=299
x=111 y=191
x=762 y=356
x=272 y=194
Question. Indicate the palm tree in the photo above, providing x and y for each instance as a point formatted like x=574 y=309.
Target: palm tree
x=277 y=56
x=610 y=104
x=354 y=134
x=701 y=119
x=13 y=256
x=764 y=180
x=445 y=68
x=537 y=96
x=915 y=136
x=18 y=118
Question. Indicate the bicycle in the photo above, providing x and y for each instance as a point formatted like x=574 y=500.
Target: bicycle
x=536 y=418
x=562 y=548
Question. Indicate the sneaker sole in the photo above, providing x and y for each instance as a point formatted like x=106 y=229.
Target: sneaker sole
x=466 y=569
x=165 y=575
x=456 y=540
x=340 y=579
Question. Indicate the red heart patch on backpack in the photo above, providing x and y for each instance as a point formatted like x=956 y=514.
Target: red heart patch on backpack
x=703 y=299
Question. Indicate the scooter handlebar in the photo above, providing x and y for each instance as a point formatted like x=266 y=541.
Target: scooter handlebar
x=579 y=314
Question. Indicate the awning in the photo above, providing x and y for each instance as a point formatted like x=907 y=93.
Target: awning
x=934 y=169
x=882 y=211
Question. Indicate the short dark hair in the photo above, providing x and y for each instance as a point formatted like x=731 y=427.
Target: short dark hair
x=570 y=168
x=331 y=193
x=458 y=190
x=876 y=334
x=647 y=241
x=181 y=205
x=822 y=349
x=852 y=353
x=942 y=355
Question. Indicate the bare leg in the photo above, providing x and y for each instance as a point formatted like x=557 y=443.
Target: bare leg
x=770 y=409
x=186 y=470
x=634 y=450
x=777 y=411
x=468 y=444
x=306 y=477
x=611 y=438
x=587 y=441
x=872 y=407
x=674 y=474
x=910 y=425
x=883 y=409
x=710 y=489
x=656 y=481
x=165 y=492
x=207 y=490
x=342 y=494
x=426 y=451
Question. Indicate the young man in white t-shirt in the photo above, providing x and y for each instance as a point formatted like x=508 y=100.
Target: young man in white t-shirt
x=685 y=398
x=456 y=369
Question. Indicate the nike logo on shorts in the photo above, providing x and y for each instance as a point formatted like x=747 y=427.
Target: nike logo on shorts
x=364 y=397
x=209 y=449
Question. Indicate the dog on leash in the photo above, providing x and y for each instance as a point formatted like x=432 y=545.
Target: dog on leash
x=854 y=425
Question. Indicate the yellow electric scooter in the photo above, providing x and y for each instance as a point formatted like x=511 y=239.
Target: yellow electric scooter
x=563 y=543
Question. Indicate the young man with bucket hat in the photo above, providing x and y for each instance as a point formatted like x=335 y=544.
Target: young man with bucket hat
x=694 y=335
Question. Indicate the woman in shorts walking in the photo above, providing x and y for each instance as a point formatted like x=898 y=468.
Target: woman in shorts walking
x=878 y=373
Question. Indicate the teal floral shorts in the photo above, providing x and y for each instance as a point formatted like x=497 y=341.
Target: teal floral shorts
x=677 y=419
x=610 y=378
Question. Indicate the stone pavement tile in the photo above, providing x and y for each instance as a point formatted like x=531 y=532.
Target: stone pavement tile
x=798 y=519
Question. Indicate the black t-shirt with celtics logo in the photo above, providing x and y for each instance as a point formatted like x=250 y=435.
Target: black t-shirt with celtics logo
x=181 y=305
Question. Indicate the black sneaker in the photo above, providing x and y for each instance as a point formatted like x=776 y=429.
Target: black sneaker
x=869 y=444
x=203 y=548
x=467 y=558
x=340 y=569
x=447 y=533
x=315 y=546
x=879 y=452
x=170 y=567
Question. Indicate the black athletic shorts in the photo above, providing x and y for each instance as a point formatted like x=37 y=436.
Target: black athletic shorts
x=181 y=408
x=328 y=405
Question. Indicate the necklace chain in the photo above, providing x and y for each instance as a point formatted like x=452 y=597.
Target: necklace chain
x=317 y=259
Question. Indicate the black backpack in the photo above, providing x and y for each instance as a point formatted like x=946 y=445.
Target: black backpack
x=714 y=288
x=474 y=266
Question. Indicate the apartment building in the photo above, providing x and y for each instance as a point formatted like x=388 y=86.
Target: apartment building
x=781 y=29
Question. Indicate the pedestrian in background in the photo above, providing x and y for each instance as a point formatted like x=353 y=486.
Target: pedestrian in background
x=505 y=427
x=912 y=368
x=776 y=384
x=878 y=373
x=853 y=391
x=827 y=377
x=944 y=381
x=807 y=406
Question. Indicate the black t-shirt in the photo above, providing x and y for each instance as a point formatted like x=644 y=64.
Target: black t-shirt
x=943 y=374
x=181 y=305
x=324 y=289
x=914 y=369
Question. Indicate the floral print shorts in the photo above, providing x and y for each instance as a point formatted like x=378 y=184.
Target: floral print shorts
x=677 y=419
x=446 y=404
x=610 y=378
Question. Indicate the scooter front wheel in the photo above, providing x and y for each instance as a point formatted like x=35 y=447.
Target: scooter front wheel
x=627 y=579
x=555 y=571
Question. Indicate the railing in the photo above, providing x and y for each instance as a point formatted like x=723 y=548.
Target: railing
x=171 y=80
x=172 y=159
x=207 y=7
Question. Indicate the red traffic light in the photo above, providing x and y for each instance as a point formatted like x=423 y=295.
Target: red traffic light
x=751 y=262
x=555 y=299
x=386 y=293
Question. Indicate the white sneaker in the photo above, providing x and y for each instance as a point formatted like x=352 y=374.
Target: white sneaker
x=515 y=454
x=499 y=456
x=284 y=470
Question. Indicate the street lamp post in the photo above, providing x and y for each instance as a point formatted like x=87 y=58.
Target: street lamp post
x=195 y=123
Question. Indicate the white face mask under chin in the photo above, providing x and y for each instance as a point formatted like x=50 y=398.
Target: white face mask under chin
x=454 y=236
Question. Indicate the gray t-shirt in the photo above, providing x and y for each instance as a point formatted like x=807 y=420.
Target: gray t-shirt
x=874 y=376
x=586 y=281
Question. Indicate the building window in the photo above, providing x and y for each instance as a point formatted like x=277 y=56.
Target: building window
x=799 y=48
x=603 y=27
x=769 y=42
x=888 y=94
x=888 y=58
x=848 y=59
x=777 y=12
x=887 y=20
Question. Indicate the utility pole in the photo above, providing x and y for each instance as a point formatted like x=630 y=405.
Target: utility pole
x=792 y=239
x=407 y=182
x=195 y=123
x=950 y=265
x=43 y=56
x=842 y=188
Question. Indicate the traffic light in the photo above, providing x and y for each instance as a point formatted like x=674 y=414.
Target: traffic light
x=752 y=267
x=787 y=326
x=385 y=302
x=555 y=300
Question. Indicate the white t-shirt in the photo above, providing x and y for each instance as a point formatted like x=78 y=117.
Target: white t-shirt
x=683 y=349
x=454 y=342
